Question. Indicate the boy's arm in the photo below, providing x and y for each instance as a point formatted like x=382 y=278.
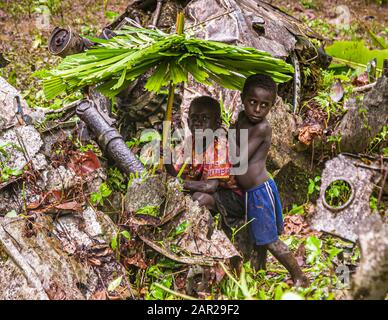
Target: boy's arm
x=209 y=186
x=257 y=136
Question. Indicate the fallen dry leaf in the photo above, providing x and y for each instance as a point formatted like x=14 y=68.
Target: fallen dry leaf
x=361 y=80
x=297 y=225
x=137 y=260
x=71 y=206
x=98 y=295
x=94 y=262
x=308 y=133
x=84 y=163
x=54 y=292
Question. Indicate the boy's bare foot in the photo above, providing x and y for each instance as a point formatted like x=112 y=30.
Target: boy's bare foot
x=301 y=281
x=283 y=254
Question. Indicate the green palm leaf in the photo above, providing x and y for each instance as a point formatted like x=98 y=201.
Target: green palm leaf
x=113 y=64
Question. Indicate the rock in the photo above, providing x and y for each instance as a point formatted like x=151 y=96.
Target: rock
x=291 y=169
x=59 y=178
x=179 y=210
x=343 y=17
x=292 y=183
x=345 y=221
x=7 y=107
x=144 y=192
x=61 y=259
x=370 y=282
x=15 y=197
x=51 y=137
x=24 y=143
x=364 y=119
x=284 y=128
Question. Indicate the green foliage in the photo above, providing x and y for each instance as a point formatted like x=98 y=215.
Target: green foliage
x=115 y=284
x=145 y=137
x=11 y=214
x=297 y=209
x=180 y=229
x=244 y=288
x=54 y=7
x=323 y=97
x=116 y=180
x=270 y=285
x=143 y=176
x=321 y=26
x=101 y=195
x=337 y=193
x=373 y=204
x=379 y=141
x=336 y=139
x=356 y=54
x=116 y=240
x=117 y=62
x=111 y=15
x=313 y=186
x=6 y=172
x=159 y=273
x=152 y=211
x=309 y=4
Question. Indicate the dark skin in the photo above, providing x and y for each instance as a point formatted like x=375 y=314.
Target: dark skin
x=201 y=117
x=257 y=103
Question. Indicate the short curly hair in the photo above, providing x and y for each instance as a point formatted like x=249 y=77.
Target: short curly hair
x=260 y=80
x=209 y=102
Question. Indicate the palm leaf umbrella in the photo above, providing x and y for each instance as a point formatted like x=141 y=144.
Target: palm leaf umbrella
x=113 y=64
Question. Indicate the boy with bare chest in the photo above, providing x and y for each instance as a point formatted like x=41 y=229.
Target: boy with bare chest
x=262 y=202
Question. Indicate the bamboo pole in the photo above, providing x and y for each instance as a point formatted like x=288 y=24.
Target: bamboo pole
x=171 y=91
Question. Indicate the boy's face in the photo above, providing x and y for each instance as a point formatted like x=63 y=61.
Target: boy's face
x=257 y=103
x=201 y=117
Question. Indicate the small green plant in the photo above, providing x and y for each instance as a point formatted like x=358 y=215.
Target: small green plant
x=145 y=137
x=6 y=172
x=244 y=288
x=152 y=211
x=236 y=230
x=297 y=209
x=143 y=176
x=156 y=275
x=378 y=141
x=373 y=204
x=111 y=15
x=115 y=284
x=116 y=240
x=336 y=140
x=101 y=195
x=338 y=193
x=309 y=4
x=116 y=180
x=313 y=186
x=180 y=229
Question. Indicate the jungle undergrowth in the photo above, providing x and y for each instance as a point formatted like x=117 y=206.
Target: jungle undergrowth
x=323 y=254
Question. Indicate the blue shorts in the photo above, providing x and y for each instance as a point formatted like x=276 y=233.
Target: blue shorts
x=262 y=204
